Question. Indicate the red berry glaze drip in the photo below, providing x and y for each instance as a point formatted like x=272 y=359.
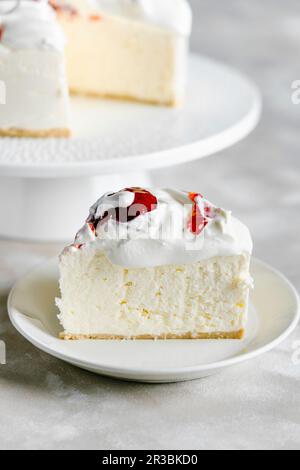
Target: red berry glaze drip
x=143 y=203
x=198 y=221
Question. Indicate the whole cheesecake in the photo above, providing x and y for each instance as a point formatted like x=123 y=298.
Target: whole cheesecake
x=127 y=49
x=156 y=264
x=123 y=49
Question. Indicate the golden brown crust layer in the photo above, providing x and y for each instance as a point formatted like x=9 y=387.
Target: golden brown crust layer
x=35 y=133
x=217 y=335
x=173 y=103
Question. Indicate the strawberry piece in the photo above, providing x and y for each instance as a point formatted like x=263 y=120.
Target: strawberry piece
x=144 y=199
x=143 y=202
x=198 y=221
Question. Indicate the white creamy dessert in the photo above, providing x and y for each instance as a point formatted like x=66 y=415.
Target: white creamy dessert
x=32 y=69
x=124 y=49
x=132 y=49
x=156 y=264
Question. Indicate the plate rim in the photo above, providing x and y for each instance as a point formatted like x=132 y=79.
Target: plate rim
x=188 y=370
x=153 y=160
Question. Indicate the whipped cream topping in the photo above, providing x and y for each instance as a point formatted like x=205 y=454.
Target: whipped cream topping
x=172 y=14
x=175 y=15
x=138 y=228
x=29 y=24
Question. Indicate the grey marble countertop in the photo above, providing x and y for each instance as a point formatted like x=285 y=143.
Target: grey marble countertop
x=47 y=404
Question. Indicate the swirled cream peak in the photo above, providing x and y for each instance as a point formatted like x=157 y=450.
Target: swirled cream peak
x=138 y=228
x=30 y=24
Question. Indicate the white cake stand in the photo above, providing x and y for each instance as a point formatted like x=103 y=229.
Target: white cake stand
x=46 y=185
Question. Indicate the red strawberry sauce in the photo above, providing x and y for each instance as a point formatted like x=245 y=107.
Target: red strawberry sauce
x=198 y=221
x=143 y=202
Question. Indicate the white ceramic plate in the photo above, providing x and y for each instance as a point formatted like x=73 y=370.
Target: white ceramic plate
x=110 y=137
x=274 y=314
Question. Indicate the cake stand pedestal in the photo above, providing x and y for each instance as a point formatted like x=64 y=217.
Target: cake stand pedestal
x=47 y=185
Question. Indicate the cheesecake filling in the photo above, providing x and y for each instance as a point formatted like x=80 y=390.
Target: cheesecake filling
x=204 y=299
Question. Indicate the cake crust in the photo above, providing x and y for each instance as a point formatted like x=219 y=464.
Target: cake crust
x=35 y=133
x=216 y=335
x=172 y=103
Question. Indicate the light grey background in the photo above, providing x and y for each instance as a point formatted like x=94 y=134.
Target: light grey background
x=45 y=403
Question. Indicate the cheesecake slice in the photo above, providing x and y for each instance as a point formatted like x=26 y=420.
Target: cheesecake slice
x=156 y=264
x=32 y=71
x=127 y=49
